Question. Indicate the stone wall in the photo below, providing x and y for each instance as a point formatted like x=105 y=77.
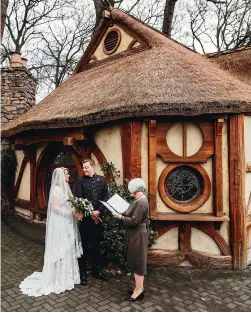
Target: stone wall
x=18 y=89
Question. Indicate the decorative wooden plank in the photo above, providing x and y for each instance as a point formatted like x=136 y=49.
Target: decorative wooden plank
x=165 y=257
x=131 y=149
x=31 y=153
x=237 y=191
x=48 y=135
x=184 y=139
x=196 y=258
x=202 y=259
x=190 y=217
x=184 y=239
x=218 y=183
x=152 y=180
x=20 y=175
x=202 y=155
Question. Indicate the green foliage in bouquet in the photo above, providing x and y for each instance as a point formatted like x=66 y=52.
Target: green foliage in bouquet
x=112 y=246
x=8 y=168
x=81 y=205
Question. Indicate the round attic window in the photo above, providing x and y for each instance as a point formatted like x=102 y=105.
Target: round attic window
x=112 y=41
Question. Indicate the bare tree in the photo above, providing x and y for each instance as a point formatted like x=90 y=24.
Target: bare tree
x=4 y=6
x=61 y=47
x=224 y=25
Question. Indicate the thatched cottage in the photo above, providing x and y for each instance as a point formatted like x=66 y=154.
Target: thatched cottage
x=160 y=111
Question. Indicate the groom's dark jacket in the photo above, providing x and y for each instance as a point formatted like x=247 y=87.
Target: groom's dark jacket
x=93 y=189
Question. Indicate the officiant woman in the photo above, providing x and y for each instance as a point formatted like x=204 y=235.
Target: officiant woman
x=134 y=220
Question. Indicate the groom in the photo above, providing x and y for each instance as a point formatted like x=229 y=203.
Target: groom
x=94 y=188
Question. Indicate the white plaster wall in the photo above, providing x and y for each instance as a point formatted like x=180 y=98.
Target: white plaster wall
x=202 y=242
x=109 y=142
x=247 y=145
x=174 y=138
x=97 y=166
x=144 y=152
x=126 y=39
x=19 y=156
x=194 y=139
x=24 y=189
x=168 y=241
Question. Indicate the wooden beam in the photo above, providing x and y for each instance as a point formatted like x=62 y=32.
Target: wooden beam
x=218 y=182
x=184 y=239
x=31 y=154
x=237 y=191
x=196 y=217
x=131 y=149
x=197 y=258
x=48 y=135
x=20 y=176
x=69 y=141
x=152 y=179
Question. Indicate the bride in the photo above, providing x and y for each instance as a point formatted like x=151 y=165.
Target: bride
x=62 y=243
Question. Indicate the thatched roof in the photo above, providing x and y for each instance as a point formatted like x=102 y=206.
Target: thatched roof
x=164 y=78
x=237 y=62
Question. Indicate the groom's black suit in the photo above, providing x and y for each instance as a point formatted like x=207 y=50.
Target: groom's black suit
x=94 y=189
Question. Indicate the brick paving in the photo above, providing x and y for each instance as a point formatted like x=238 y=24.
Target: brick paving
x=166 y=288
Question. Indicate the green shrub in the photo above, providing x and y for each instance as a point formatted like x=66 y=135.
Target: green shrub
x=8 y=169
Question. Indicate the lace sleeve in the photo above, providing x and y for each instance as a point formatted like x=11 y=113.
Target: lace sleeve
x=58 y=205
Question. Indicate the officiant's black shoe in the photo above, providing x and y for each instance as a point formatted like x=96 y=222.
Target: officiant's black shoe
x=138 y=298
x=83 y=281
x=100 y=276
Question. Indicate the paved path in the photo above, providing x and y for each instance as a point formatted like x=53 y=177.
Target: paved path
x=167 y=289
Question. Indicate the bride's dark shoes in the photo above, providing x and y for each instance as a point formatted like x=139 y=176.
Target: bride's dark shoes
x=138 y=298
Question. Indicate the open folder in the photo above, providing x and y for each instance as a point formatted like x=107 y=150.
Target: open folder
x=116 y=204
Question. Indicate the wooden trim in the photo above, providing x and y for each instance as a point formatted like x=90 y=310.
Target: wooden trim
x=131 y=149
x=237 y=191
x=115 y=29
x=196 y=258
x=132 y=43
x=200 y=217
x=184 y=238
x=202 y=259
x=46 y=135
x=152 y=179
x=217 y=168
x=188 y=206
x=32 y=159
x=184 y=131
x=20 y=175
x=206 y=150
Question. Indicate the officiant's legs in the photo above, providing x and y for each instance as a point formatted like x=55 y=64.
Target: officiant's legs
x=91 y=236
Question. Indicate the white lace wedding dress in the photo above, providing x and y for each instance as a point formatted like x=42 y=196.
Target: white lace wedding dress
x=62 y=245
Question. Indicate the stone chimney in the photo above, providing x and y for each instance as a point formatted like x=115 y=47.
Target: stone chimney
x=18 y=89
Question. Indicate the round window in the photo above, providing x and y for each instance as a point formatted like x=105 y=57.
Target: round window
x=184 y=187
x=112 y=41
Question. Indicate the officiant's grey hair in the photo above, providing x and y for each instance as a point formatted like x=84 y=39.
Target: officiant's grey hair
x=137 y=184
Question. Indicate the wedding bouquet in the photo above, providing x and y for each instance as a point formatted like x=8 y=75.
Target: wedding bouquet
x=81 y=205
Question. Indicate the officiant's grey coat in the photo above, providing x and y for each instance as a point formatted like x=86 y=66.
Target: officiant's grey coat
x=136 y=239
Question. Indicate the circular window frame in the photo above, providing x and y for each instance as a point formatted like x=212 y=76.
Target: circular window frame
x=196 y=201
x=117 y=44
